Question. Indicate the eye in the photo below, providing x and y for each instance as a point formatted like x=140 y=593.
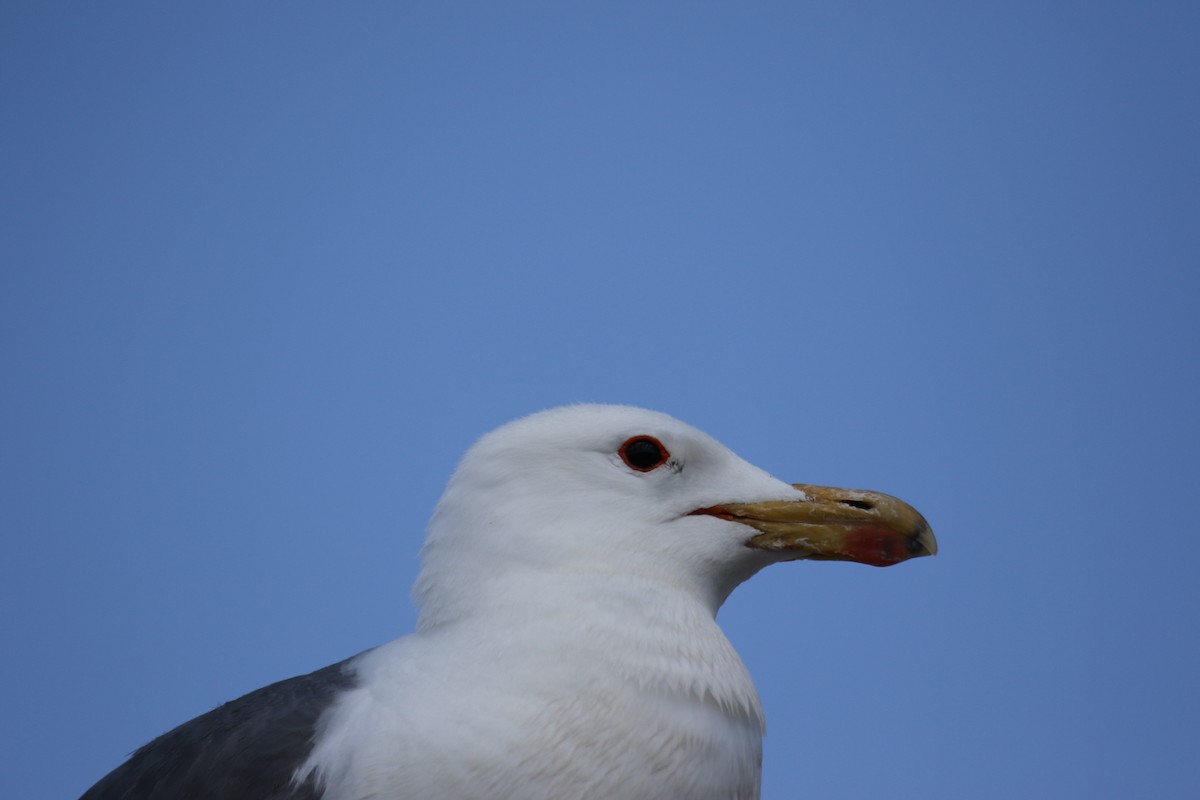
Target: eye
x=643 y=453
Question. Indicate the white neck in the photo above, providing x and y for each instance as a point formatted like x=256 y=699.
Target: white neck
x=613 y=672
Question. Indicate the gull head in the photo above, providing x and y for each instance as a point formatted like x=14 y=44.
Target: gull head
x=594 y=495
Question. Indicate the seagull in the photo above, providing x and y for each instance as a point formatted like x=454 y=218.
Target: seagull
x=566 y=644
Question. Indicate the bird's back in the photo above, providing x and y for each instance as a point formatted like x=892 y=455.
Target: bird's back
x=246 y=748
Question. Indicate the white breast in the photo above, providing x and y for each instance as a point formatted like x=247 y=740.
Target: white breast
x=461 y=714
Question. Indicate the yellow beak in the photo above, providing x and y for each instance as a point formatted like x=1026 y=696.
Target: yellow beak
x=835 y=524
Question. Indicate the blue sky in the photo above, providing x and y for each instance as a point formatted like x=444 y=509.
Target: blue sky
x=270 y=269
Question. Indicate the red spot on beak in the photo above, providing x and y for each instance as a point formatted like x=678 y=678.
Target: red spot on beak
x=878 y=547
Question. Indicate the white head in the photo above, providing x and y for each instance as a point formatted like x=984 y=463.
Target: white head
x=597 y=491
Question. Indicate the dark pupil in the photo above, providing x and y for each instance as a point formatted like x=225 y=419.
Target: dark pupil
x=643 y=454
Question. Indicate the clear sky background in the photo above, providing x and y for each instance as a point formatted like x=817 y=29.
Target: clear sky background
x=269 y=269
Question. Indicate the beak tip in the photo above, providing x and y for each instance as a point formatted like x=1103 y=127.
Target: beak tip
x=923 y=543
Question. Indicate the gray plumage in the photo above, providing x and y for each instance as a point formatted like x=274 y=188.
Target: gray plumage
x=246 y=749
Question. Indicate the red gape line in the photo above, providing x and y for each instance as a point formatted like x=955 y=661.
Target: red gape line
x=712 y=511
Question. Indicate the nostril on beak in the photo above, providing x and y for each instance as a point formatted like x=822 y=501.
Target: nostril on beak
x=862 y=505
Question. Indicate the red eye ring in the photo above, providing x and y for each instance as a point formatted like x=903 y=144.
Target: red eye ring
x=643 y=453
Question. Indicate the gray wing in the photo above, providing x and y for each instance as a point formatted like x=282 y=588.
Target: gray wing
x=246 y=749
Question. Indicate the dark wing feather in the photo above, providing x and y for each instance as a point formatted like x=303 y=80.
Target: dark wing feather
x=246 y=749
